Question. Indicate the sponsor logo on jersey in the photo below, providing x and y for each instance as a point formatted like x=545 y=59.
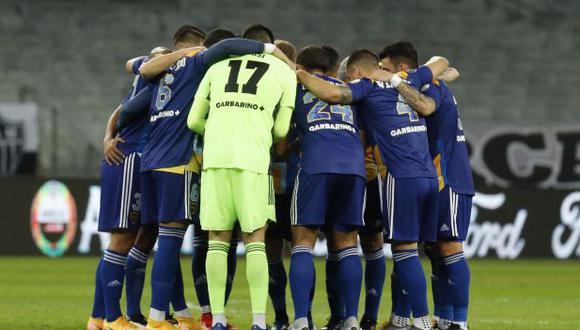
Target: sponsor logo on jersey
x=238 y=104
x=409 y=129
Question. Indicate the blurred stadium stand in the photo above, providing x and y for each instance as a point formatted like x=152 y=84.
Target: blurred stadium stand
x=519 y=59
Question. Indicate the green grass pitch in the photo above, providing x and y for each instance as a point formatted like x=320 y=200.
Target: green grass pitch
x=42 y=293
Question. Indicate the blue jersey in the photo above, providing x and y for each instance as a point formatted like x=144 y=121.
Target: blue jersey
x=328 y=133
x=133 y=134
x=399 y=132
x=447 y=140
x=169 y=141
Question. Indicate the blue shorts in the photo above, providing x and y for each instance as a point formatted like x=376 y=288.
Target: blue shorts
x=454 y=215
x=121 y=195
x=373 y=209
x=169 y=196
x=410 y=209
x=335 y=200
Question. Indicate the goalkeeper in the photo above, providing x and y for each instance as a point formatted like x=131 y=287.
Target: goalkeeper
x=240 y=104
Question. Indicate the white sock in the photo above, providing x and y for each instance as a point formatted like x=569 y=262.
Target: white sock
x=462 y=325
x=423 y=322
x=301 y=323
x=219 y=318
x=400 y=321
x=156 y=315
x=260 y=320
x=183 y=313
x=205 y=309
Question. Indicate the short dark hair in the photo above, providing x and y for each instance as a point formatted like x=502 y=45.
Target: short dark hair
x=287 y=48
x=363 y=57
x=189 y=33
x=333 y=57
x=216 y=35
x=313 y=57
x=401 y=51
x=258 y=32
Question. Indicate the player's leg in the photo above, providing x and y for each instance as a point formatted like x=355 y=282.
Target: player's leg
x=348 y=193
x=307 y=214
x=98 y=313
x=404 y=218
x=113 y=275
x=115 y=216
x=371 y=238
x=254 y=206
x=374 y=275
x=217 y=216
x=455 y=270
x=302 y=273
x=198 y=260
x=232 y=260
x=277 y=272
x=136 y=269
x=334 y=293
x=170 y=194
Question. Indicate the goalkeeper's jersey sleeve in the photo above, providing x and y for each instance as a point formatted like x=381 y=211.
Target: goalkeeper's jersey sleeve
x=244 y=94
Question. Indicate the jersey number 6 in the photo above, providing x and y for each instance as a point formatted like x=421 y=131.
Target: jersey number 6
x=251 y=86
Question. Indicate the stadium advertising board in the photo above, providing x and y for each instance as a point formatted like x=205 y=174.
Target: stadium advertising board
x=527 y=204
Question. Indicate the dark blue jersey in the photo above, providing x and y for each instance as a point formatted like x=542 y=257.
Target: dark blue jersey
x=399 y=132
x=328 y=133
x=132 y=134
x=447 y=140
x=169 y=140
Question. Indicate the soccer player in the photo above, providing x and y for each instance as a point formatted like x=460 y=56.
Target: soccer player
x=168 y=163
x=329 y=190
x=450 y=272
x=120 y=215
x=371 y=239
x=240 y=103
x=411 y=189
x=283 y=169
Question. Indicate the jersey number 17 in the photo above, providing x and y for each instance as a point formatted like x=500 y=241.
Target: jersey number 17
x=251 y=86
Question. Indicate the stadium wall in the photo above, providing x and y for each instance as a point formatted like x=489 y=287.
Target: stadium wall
x=518 y=59
x=59 y=217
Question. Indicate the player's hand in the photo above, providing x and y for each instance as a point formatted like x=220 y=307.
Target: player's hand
x=381 y=75
x=449 y=75
x=113 y=156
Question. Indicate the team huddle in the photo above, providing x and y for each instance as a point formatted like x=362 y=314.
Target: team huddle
x=247 y=139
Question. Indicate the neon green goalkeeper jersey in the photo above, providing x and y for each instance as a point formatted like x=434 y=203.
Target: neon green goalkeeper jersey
x=241 y=103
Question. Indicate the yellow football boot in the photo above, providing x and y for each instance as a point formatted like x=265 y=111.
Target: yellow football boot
x=95 y=324
x=160 y=325
x=188 y=323
x=120 y=324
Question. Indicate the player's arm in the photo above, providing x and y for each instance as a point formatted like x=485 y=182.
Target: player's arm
x=285 y=106
x=234 y=47
x=324 y=90
x=199 y=109
x=438 y=65
x=159 y=64
x=449 y=75
x=130 y=65
x=424 y=105
x=135 y=108
x=112 y=154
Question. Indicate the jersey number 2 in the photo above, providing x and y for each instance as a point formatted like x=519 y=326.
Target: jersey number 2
x=251 y=86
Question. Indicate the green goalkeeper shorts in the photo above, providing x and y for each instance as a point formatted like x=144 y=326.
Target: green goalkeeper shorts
x=229 y=195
